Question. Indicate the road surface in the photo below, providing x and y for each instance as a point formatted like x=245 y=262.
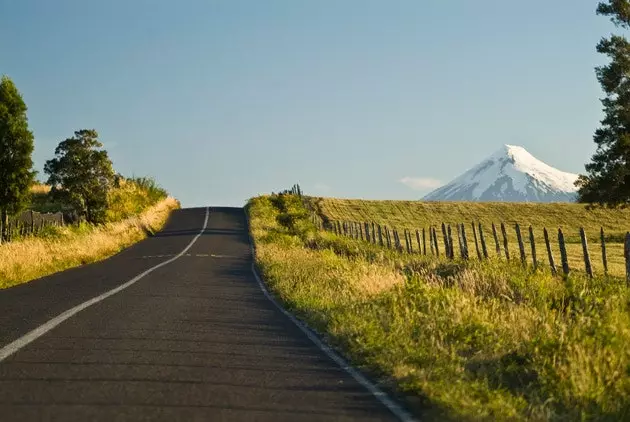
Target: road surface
x=193 y=340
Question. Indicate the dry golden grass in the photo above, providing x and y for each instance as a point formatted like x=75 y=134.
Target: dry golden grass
x=67 y=247
x=40 y=189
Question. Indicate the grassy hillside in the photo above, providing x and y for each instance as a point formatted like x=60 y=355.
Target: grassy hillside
x=414 y=214
x=570 y=217
x=462 y=340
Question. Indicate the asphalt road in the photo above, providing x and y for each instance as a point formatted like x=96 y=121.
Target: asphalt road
x=194 y=340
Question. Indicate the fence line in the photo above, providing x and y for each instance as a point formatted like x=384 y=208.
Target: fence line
x=31 y=223
x=391 y=238
x=384 y=236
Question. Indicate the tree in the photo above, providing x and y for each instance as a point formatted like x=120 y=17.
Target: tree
x=16 y=149
x=608 y=174
x=81 y=175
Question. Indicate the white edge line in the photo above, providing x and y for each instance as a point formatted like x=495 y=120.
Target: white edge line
x=33 y=335
x=379 y=394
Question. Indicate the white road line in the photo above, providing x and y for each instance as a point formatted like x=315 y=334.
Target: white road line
x=16 y=345
x=379 y=394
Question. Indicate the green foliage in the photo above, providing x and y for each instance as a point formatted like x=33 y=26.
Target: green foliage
x=81 y=174
x=154 y=192
x=131 y=197
x=608 y=174
x=462 y=340
x=16 y=148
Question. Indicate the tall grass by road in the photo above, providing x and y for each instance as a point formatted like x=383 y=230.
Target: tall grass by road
x=461 y=340
x=60 y=248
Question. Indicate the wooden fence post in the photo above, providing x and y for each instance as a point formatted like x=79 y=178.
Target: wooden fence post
x=587 y=257
x=373 y=233
x=410 y=241
x=521 y=246
x=419 y=243
x=563 y=253
x=482 y=238
x=496 y=240
x=464 y=242
x=505 y=242
x=32 y=223
x=451 y=251
x=437 y=250
x=626 y=254
x=388 y=237
x=447 y=248
x=406 y=241
x=380 y=235
x=604 y=259
x=532 y=243
x=459 y=240
x=424 y=243
x=552 y=264
x=474 y=229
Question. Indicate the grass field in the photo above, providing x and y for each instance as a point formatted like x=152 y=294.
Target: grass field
x=570 y=217
x=459 y=340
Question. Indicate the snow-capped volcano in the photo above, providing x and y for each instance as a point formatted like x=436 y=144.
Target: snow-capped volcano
x=511 y=174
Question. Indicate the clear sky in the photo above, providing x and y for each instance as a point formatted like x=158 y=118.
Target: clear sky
x=221 y=100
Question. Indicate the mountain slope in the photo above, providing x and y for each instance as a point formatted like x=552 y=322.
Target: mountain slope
x=511 y=174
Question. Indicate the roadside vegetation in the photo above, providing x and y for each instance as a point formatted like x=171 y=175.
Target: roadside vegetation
x=104 y=211
x=461 y=340
x=60 y=248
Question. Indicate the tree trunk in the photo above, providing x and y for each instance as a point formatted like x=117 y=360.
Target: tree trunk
x=4 y=225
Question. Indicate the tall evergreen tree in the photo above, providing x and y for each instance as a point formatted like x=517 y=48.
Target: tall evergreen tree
x=608 y=174
x=16 y=149
x=81 y=174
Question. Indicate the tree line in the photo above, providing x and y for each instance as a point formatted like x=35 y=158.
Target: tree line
x=80 y=174
x=607 y=178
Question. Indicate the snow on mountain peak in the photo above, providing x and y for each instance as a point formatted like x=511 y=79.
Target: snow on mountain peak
x=510 y=174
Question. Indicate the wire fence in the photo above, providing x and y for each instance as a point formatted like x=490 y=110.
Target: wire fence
x=474 y=240
x=31 y=223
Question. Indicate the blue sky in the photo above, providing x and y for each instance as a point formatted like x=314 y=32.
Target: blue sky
x=221 y=100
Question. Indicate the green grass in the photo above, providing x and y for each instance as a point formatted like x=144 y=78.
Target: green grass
x=570 y=217
x=460 y=340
